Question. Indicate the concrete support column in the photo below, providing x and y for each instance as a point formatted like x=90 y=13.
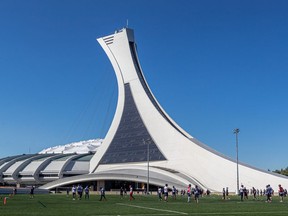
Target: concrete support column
x=100 y=183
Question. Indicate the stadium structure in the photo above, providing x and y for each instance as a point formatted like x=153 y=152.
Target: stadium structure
x=144 y=145
x=48 y=165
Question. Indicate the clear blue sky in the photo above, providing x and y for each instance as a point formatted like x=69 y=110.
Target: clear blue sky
x=212 y=65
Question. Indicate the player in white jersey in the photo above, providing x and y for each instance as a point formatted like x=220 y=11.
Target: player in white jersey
x=74 y=192
x=165 y=191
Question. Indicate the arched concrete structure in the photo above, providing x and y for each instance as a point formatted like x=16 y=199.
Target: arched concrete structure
x=38 y=169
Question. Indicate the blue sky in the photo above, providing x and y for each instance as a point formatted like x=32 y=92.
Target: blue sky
x=212 y=65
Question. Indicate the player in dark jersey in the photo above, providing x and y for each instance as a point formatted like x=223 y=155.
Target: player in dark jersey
x=196 y=193
x=174 y=193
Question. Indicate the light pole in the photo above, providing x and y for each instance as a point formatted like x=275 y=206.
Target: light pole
x=236 y=131
x=148 y=159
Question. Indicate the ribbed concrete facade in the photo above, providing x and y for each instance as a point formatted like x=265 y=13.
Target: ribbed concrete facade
x=39 y=169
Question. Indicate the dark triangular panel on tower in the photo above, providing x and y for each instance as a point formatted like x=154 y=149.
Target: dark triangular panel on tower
x=130 y=143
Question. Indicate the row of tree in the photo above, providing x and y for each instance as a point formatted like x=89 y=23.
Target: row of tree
x=282 y=171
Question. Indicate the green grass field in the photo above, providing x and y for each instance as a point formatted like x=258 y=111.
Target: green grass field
x=143 y=205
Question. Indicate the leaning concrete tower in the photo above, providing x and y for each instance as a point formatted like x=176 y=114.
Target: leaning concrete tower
x=140 y=125
x=144 y=144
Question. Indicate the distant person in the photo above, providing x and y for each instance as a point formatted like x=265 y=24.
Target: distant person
x=223 y=194
x=227 y=193
x=165 y=191
x=74 y=192
x=269 y=192
x=125 y=190
x=254 y=192
x=197 y=193
x=189 y=193
x=102 y=194
x=67 y=191
x=121 y=192
x=174 y=192
x=14 y=191
x=86 y=190
x=160 y=193
x=131 y=193
x=245 y=191
x=32 y=192
x=241 y=191
x=281 y=192
x=144 y=190
x=80 y=191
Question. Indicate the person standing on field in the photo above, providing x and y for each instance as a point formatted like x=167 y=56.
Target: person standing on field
x=131 y=193
x=74 y=192
x=160 y=193
x=80 y=191
x=227 y=193
x=165 y=191
x=174 y=192
x=121 y=192
x=241 y=191
x=196 y=193
x=281 y=192
x=32 y=192
x=86 y=190
x=189 y=193
x=269 y=192
x=102 y=194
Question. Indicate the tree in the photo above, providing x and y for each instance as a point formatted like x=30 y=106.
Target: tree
x=282 y=171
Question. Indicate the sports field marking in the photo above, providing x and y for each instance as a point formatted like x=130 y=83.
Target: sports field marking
x=42 y=204
x=163 y=210
x=137 y=215
x=238 y=213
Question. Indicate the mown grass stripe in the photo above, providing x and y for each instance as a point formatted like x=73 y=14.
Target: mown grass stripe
x=239 y=213
x=143 y=207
